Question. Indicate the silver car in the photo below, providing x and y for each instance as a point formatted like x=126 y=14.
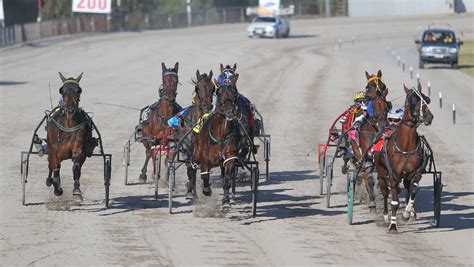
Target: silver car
x=273 y=27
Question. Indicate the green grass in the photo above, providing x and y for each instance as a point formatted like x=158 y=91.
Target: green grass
x=466 y=57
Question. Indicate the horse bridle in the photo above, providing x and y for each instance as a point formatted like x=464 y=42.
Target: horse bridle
x=226 y=111
x=416 y=117
x=168 y=88
x=378 y=81
x=203 y=106
x=76 y=98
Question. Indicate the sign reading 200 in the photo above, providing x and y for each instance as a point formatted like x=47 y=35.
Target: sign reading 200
x=92 y=6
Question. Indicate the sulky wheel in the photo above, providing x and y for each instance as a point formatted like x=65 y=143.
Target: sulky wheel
x=107 y=175
x=350 y=195
x=438 y=188
x=322 y=162
x=329 y=172
x=254 y=175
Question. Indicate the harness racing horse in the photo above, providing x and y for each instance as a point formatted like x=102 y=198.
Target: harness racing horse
x=190 y=120
x=244 y=112
x=217 y=144
x=378 y=108
x=156 y=128
x=69 y=136
x=404 y=156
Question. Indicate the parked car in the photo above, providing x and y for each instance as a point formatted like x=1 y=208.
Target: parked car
x=273 y=27
x=438 y=46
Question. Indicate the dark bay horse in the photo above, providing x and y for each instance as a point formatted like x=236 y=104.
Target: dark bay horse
x=166 y=107
x=244 y=110
x=189 y=124
x=403 y=156
x=374 y=122
x=217 y=144
x=69 y=136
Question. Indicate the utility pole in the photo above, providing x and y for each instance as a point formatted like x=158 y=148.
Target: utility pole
x=40 y=7
x=188 y=10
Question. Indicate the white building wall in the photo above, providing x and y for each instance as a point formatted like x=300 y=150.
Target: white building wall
x=360 y=8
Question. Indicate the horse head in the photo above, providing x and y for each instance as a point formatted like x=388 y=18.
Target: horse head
x=204 y=90
x=71 y=93
x=170 y=82
x=378 y=108
x=375 y=85
x=416 y=106
x=227 y=96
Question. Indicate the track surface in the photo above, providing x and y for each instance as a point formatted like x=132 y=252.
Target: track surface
x=299 y=84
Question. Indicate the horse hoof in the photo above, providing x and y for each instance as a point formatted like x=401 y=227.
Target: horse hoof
x=189 y=196
x=207 y=191
x=344 y=169
x=226 y=201
x=77 y=197
x=372 y=204
x=406 y=215
x=142 y=178
x=58 y=191
x=412 y=216
x=392 y=229
x=49 y=181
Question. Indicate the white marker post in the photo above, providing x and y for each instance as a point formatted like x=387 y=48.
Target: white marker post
x=454 y=114
x=429 y=89
x=340 y=43
x=403 y=66
x=417 y=78
x=440 y=100
x=398 y=61
x=411 y=72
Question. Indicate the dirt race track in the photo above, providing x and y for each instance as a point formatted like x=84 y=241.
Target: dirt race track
x=299 y=84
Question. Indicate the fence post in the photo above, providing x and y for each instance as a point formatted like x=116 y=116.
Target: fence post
x=242 y=17
x=224 y=15
x=170 y=22
x=299 y=10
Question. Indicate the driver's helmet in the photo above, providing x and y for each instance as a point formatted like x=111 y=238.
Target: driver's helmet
x=395 y=115
x=225 y=76
x=359 y=96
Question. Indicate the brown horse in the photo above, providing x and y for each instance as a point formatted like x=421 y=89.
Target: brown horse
x=375 y=120
x=217 y=144
x=403 y=156
x=189 y=119
x=69 y=136
x=166 y=107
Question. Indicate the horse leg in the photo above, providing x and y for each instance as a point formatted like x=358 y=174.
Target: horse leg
x=142 y=178
x=206 y=189
x=384 y=189
x=191 y=184
x=54 y=167
x=369 y=186
x=49 y=180
x=409 y=212
x=228 y=170
x=78 y=161
x=392 y=228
